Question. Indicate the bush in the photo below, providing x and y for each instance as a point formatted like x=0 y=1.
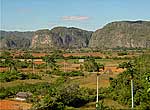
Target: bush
x=36 y=89
x=15 y=75
x=122 y=53
x=72 y=73
x=90 y=65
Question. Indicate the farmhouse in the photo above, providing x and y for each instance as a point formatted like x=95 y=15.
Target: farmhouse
x=22 y=96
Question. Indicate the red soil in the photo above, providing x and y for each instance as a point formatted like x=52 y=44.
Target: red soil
x=39 y=62
x=14 y=105
x=114 y=69
x=39 y=54
x=2 y=69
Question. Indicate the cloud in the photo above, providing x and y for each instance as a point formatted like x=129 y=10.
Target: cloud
x=75 y=18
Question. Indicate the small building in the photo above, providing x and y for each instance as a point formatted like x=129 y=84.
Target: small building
x=81 y=60
x=22 y=96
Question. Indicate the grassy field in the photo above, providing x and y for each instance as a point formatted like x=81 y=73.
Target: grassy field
x=107 y=102
x=110 y=62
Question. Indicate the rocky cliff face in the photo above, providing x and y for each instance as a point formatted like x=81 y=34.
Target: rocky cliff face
x=15 y=39
x=42 y=39
x=129 y=34
x=61 y=37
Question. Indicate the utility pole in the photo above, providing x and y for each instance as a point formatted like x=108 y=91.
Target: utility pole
x=132 y=93
x=97 y=93
x=97 y=89
x=32 y=65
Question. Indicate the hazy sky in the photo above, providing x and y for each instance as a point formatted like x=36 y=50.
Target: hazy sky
x=22 y=15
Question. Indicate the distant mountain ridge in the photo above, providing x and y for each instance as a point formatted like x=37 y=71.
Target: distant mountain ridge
x=61 y=37
x=15 y=39
x=58 y=37
x=129 y=34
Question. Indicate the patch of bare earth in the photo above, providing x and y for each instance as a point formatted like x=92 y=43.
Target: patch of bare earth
x=39 y=54
x=14 y=105
x=2 y=69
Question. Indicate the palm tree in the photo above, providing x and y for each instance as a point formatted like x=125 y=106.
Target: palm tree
x=9 y=60
x=50 y=61
x=11 y=64
x=130 y=70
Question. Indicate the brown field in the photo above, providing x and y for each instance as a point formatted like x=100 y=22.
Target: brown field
x=65 y=66
x=114 y=69
x=14 y=105
x=99 y=54
x=2 y=69
x=39 y=54
x=95 y=54
x=39 y=62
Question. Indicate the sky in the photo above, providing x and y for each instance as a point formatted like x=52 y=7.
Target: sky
x=29 y=15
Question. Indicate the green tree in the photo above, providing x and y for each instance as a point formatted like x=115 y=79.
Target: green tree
x=90 y=65
x=27 y=56
x=50 y=62
x=11 y=64
x=120 y=89
x=130 y=66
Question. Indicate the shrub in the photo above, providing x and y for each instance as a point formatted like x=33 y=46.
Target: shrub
x=14 y=75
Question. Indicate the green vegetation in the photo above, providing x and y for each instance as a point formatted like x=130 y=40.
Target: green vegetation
x=15 y=75
x=122 y=53
x=50 y=62
x=58 y=95
x=90 y=65
x=101 y=106
x=64 y=94
x=139 y=71
x=57 y=88
x=36 y=89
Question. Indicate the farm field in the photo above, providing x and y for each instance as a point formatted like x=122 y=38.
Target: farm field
x=47 y=73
